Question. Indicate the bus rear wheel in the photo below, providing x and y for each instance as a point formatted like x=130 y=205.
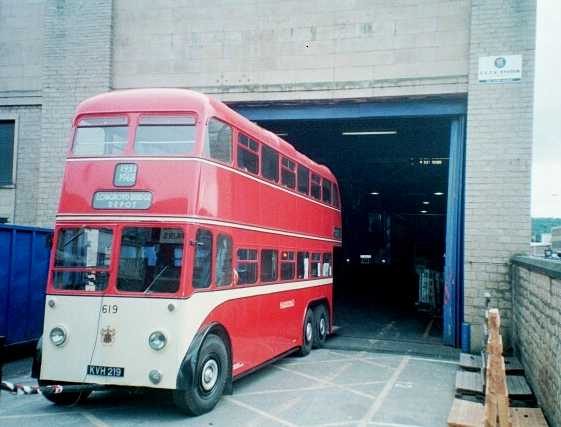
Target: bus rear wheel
x=321 y=319
x=309 y=331
x=209 y=379
x=64 y=399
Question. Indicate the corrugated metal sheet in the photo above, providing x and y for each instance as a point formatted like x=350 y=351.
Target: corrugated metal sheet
x=24 y=263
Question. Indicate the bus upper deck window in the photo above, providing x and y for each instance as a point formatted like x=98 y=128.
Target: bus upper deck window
x=248 y=159
x=326 y=191
x=150 y=259
x=336 y=202
x=269 y=163
x=101 y=136
x=165 y=135
x=218 y=141
x=288 y=174
x=316 y=189
x=303 y=179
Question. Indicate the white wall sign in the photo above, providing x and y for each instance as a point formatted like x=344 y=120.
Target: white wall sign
x=500 y=69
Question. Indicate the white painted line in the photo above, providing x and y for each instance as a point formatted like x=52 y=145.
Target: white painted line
x=377 y=404
x=37 y=415
x=260 y=412
x=93 y=419
x=429 y=327
x=381 y=424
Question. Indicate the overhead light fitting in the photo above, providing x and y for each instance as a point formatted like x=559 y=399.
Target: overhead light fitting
x=438 y=193
x=424 y=212
x=426 y=203
x=375 y=193
x=370 y=132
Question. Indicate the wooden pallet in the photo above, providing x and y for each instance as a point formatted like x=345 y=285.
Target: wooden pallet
x=471 y=362
x=471 y=383
x=470 y=414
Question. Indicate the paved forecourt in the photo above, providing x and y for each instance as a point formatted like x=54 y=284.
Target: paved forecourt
x=327 y=388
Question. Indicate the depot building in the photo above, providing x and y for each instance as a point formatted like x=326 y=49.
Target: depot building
x=422 y=109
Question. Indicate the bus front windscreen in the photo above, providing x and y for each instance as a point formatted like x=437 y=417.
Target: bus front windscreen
x=82 y=259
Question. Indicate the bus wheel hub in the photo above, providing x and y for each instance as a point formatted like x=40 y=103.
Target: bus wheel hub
x=209 y=374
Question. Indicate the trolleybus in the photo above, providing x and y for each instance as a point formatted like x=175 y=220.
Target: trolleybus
x=191 y=247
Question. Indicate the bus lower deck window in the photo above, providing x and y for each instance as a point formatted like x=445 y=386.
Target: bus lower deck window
x=302 y=265
x=315 y=265
x=202 y=267
x=288 y=265
x=326 y=265
x=269 y=259
x=247 y=266
x=223 y=260
x=150 y=259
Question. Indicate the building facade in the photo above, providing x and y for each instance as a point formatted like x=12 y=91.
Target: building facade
x=55 y=53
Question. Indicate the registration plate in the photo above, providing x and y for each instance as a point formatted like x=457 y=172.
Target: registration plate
x=106 y=371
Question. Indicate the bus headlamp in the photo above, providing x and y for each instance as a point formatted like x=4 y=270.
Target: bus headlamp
x=57 y=336
x=157 y=340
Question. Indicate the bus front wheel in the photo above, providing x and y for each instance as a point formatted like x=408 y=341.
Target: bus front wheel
x=309 y=331
x=209 y=380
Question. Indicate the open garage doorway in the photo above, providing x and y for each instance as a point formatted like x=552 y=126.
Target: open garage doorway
x=394 y=177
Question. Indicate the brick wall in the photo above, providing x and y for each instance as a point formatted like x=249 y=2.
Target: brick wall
x=257 y=50
x=77 y=65
x=536 y=300
x=498 y=157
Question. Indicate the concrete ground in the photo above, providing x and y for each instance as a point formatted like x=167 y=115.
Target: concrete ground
x=327 y=388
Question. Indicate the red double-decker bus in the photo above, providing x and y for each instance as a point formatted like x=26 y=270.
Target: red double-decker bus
x=191 y=247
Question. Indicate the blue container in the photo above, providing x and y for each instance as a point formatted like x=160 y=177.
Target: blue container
x=24 y=265
x=466 y=338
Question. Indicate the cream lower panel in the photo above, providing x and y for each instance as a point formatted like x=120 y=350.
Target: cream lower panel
x=130 y=321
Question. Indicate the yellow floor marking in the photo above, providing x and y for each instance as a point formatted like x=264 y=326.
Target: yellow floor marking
x=428 y=328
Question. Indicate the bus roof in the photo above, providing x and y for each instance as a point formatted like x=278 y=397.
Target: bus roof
x=179 y=100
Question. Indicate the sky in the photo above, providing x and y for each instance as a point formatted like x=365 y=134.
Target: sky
x=546 y=166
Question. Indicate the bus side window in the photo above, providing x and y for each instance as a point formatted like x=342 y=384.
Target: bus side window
x=326 y=191
x=287 y=265
x=269 y=163
x=218 y=141
x=335 y=196
x=326 y=266
x=316 y=262
x=302 y=265
x=202 y=267
x=247 y=266
x=248 y=159
x=223 y=260
x=269 y=265
x=303 y=179
x=316 y=188
x=288 y=173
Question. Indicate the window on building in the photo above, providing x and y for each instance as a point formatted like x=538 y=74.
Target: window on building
x=150 y=259
x=316 y=188
x=7 y=152
x=248 y=159
x=165 y=135
x=315 y=266
x=247 y=266
x=101 y=136
x=223 y=260
x=202 y=267
x=326 y=191
x=336 y=201
x=269 y=163
x=288 y=173
x=288 y=265
x=218 y=141
x=302 y=265
x=326 y=265
x=269 y=258
x=303 y=179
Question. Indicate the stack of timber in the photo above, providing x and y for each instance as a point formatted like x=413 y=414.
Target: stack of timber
x=491 y=390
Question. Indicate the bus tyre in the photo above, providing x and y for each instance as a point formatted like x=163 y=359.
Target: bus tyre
x=210 y=378
x=309 y=332
x=64 y=399
x=322 y=326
